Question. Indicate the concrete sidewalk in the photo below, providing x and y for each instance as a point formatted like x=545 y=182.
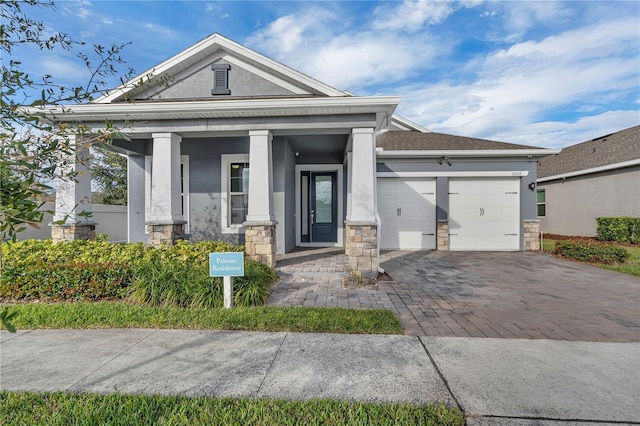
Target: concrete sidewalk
x=495 y=381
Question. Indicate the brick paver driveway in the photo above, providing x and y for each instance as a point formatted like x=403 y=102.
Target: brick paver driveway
x=478 y=294
x=511 y=294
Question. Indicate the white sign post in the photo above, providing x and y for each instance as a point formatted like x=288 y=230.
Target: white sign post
x=227 y=265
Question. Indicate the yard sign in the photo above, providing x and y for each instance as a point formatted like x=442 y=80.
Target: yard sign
x=227 y=265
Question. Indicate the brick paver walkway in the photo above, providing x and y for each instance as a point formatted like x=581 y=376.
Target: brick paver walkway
x=477 y=294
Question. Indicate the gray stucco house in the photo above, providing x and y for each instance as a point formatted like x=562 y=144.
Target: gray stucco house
x=596 y=178
x=235 y=146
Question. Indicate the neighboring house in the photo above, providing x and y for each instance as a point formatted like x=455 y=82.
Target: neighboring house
x=596 y=178
x=235 y=146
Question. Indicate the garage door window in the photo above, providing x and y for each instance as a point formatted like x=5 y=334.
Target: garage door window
x=541 y=203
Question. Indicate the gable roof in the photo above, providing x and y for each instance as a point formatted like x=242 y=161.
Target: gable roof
x=605 y=152
x=209 y=46
x=410 y=144
x=302 y=85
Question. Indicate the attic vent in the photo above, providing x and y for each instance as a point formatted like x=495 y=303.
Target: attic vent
x=220 y=79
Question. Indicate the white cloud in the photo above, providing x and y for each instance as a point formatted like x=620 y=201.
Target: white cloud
x=522 y=16
x=69 y=70
x=292 y=32
x=364 y=59
x=318 y=42
x=107 y=21
x=83 y=13
x=412 y=15
x=559 y=134
x=154 y=30
x=592 y=66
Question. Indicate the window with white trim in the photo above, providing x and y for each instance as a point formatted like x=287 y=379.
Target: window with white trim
x=184 y=187
x=541 y=203
x=234 y=190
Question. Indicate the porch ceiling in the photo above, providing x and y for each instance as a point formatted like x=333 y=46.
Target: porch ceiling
x=316 y=144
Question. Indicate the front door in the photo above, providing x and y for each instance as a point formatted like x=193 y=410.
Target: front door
x=319 y=207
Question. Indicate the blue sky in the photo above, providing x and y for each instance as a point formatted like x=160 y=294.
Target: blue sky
x=540 y=73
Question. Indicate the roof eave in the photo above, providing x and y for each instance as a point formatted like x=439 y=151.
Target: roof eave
x=592 y=170
x=408 y=124
x=529 y=153
x=226 y=108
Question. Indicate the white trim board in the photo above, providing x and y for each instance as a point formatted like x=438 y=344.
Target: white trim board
x=514 y=173
x=608 y=167
x=321 y=168
x=225 y=162
x=467 y=153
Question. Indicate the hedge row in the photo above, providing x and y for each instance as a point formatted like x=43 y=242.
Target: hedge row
x=175 y=275
x=623 y=229
x=591 y=252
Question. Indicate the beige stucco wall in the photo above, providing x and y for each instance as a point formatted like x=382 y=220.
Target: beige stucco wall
x=573 y=204
x=111 y=220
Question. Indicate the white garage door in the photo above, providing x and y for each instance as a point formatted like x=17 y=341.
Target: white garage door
x=408 y=214
x=484 y=214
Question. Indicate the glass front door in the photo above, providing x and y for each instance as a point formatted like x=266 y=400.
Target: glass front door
x=319 y=222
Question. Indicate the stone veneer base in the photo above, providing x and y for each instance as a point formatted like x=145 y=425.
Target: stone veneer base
x=165 y=233
x=260 y=242
x=73 y=231
x=442 y=243
x=361 y=248
x=531 y=240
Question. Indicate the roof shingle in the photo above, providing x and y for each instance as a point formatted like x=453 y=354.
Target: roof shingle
x=432 y=141
x=603 y=151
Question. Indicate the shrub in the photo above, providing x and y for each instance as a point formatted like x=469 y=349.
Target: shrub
x=175 y=275
x=623 y=229
x=80 y=270
x=591 y=252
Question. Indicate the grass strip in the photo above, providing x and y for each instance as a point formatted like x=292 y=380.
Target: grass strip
x=118 y=409
x=123 y=315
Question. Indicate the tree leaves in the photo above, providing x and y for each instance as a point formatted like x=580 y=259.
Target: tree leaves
x=32 y=144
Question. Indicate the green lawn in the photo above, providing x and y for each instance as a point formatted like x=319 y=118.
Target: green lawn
x=59 y=408
x=123 y=315
x=631 y=266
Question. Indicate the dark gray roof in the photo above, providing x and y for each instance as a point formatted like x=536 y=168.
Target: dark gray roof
x=609 y=149
x=417 y=141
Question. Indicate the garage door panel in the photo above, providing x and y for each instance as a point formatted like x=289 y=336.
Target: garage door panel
x=484 y=213
x=406 y=207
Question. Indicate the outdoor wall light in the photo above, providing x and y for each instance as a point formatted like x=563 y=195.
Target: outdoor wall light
x=532 y=186
x=444 y=159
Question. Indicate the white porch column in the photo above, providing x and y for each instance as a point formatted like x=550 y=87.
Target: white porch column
x=165 y=221
x=260 y=226
x=73 y=195
x=361 y=246
x=363 y=177
x=260 y=177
